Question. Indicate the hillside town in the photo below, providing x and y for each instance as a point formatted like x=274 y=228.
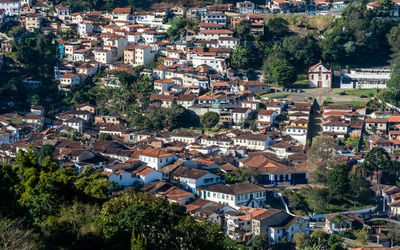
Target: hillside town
x=165 y=102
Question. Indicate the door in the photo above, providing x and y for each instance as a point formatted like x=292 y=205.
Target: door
x=319 y=84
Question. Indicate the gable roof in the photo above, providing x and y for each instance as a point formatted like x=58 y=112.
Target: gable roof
x=152 y=152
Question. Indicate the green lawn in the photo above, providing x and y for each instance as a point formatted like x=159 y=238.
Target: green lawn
x=355 y=103
x=359 y=92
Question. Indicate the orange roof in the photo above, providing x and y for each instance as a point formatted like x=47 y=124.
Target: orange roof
x=145 y=171
x=205 y=97
x=209 y=25
x=394 y=118
x=68 y=75
x=376 y=120
x=152 y=152
x=316 y=65
x=122 y=10
x=216 y=32
x=220 y=84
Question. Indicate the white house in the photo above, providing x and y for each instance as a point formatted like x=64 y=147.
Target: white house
x=121 y=14
x=320 y=76
x=214 y=17
x=214 y=34
x=103 y=56
x=148 y=175
x=191 y=179
x=70 y=80
x=217 y=63
x=156 y=158
x=240 y=115
x=75 y=123
x=228 y=42
x=253 y=86
x=338 y=127
x=235 y=195
x=163 y=85
x=266 y=117
x=63 y=12
x=253 y=141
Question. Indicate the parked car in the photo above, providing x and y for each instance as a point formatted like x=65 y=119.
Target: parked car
x=363 y=96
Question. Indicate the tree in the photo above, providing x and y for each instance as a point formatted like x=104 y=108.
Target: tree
x=95 y=186
x=44 y=151
x=394 y=236
x=243 y=29
x=360 y=187
x=74 y=226
x=13 y=235
x=338 y=180
x=378 y=159
x=301 y=240
x=9 y=207
x=261 y=242
x=394 y=38
x=178 y=25
x=317 y=199
x=243 y=174
x=280 y=72
x=302 y=52
x=333 y=239
x=209 y=119
x=278 y=28
x=321 y=156
x=241 y=58
x=320 y=238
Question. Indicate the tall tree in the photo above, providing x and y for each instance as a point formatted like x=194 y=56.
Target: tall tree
x=320 y=157
x=241 y=58
x=280 y=72
x=378 y=160
x=338 y=180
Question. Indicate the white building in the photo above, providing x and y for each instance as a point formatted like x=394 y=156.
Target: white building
x=320 y=76
x=156 y=158
x=253 y=141
x=235 y=195
x=240 y=115
x=163 y=85
x=75 y=123
x=70 y=80
x=214 y=17
x=191 y=179
x=84 y=28
x=368 y=78
x=103 y=56
x=266 y=117
x=214 y=34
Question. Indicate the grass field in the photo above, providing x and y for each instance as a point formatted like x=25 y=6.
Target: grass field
x=355 y=103
x=359 y=92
